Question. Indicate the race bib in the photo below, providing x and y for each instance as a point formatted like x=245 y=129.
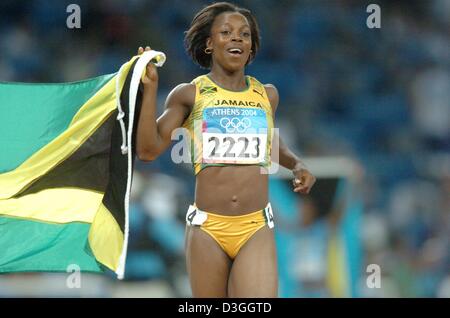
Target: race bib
x=234 y=135
x=269 y=216
x=195 y=216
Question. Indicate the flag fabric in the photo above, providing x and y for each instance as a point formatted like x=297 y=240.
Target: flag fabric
x=66 y=161
x=344 y=252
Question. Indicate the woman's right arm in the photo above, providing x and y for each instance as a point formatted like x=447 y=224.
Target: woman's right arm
x=154 y=135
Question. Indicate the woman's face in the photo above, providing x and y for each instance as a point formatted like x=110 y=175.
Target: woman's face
x=230 y=40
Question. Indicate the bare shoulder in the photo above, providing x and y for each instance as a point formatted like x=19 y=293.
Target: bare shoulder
x=271 y=90
x=182 y=94
x=272 y=94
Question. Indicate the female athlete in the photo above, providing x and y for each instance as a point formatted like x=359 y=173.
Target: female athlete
x=230 y=246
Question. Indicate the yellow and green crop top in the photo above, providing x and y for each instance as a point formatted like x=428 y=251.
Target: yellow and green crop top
x=228 y=127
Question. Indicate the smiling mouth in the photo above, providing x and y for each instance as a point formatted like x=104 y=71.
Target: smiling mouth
x=235 y=51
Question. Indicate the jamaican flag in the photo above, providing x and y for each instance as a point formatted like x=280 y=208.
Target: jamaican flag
x=66 y=161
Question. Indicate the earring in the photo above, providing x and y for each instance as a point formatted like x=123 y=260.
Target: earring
x=208 y=50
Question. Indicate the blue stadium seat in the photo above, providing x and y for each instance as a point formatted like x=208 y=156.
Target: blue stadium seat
x=144 y=265
x=169 y=233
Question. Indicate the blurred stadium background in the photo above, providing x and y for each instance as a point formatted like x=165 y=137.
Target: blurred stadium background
x=368 y=109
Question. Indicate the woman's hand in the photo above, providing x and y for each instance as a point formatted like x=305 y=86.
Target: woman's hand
x=303 y=180
x=151 y=75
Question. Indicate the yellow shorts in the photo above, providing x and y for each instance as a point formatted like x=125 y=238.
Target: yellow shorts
x=230 y=232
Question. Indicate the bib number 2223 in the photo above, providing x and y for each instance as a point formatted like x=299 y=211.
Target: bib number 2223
x=245 y=148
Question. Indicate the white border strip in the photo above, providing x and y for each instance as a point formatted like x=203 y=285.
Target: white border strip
x=324 y=167
x=138 y=71
x=121 y=113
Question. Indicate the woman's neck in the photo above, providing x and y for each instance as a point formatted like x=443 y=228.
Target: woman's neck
x=233 y=81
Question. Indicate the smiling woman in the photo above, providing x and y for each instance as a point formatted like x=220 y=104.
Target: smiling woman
x=230 y=246
x=205 y=27
x=231 y=40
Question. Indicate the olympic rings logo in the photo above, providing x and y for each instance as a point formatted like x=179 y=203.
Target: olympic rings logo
x=235 y=124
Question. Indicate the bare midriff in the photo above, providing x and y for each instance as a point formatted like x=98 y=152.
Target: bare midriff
x=232 y=190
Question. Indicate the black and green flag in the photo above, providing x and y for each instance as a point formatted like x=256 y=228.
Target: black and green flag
x=66 y=161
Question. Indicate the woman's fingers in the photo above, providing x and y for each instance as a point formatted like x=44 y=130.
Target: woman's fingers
x=141 y=49
x=302 y=189
x=304 y=184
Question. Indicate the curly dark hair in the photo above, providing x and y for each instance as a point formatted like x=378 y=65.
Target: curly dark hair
x=200 y=29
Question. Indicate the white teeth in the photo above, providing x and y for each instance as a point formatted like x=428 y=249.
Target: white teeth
x=235 y=51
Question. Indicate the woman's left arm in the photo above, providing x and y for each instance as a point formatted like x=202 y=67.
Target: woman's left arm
x=303 y=179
